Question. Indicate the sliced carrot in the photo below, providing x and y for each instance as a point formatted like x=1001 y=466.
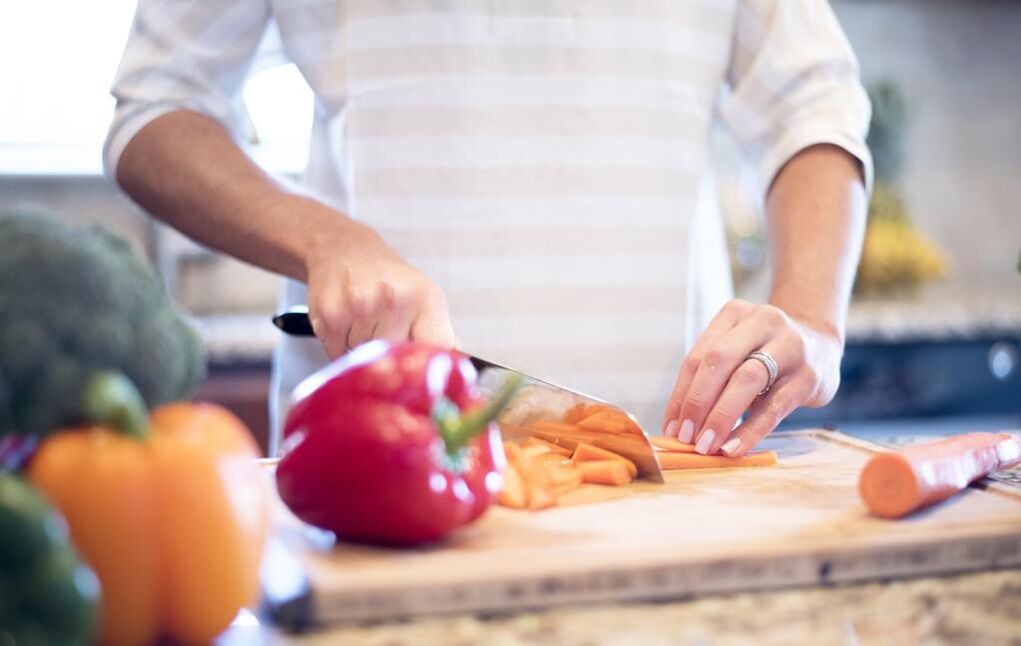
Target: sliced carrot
x=569 y=480
x=540 y=497
x=576 y=413
x=549 y=446
x=588 y=453
x=534 y=450
x=606 y=472
x=608 y=420
x=513 y=493
x=897 y=483
x=563 y=474
x=670 y=460
x=551 y=427
x=664 y=443
x=513 y=452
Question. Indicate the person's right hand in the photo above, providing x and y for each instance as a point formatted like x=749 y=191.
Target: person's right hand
x=360 y=289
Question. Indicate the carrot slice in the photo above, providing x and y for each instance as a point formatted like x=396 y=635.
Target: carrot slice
x=533 y=478
x=533 y=450
x=606 y=472
x=540 y=497
x=609 y=421
x=664 y=443
x=670 y=460
x=895 y=484
x=576 y=413
x=587 y=453
x=551 y=427
x=563 y=474
x=513 y=452
x=549 y=446
x=513 y=493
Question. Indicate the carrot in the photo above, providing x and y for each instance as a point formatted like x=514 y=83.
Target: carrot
x=513 y=493
x=549 y=446
x=607 y=472
x=608 y=420
x=895 y=484
x=533 y=450
x=527 y=484
x=664 y=443
x=550 y=427
x=669 y=460
x=513 y=452
x=580 y=411
x=588 y=453
x=563 y=474
x=575 y=414
x=540 y=497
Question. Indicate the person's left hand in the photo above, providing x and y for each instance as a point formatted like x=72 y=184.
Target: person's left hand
x=718 y=382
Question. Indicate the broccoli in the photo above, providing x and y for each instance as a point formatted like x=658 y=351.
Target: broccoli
x=74 y=302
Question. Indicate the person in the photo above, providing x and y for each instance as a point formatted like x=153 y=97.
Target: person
x=530 y=180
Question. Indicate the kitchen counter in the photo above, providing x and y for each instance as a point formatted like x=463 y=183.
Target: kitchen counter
x=971 y=608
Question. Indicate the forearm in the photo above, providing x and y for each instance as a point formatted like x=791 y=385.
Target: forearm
x=816 y=217
x=185 y=169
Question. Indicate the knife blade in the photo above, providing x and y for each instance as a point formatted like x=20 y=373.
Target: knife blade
x=537 y=400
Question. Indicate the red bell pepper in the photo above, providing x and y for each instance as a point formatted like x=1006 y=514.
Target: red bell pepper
x=391 y=444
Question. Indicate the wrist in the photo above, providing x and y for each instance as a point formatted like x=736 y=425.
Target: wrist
x=325 y=235
x=826 y=323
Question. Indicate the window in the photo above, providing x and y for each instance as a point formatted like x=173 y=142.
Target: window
x=59 y=59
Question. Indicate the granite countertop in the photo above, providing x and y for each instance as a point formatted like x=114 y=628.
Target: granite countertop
x=250 y=338
x=980 y=608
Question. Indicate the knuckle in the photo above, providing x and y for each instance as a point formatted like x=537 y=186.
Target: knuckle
x=691 y=363
x=361 y=302
x=399 y=296
x=771 y=315
x=715 y=356
x=325 y=316
x=737 y=306
x=696 y=400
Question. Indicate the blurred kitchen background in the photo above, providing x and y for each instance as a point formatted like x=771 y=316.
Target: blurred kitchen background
x=934 y=337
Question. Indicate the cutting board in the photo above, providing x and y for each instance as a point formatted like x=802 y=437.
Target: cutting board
x=702 y=531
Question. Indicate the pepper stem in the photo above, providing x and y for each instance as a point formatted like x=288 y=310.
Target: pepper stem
x=111 y=399
x=457 y=429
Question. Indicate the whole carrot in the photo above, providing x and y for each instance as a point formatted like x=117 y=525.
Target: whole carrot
x=895 y=484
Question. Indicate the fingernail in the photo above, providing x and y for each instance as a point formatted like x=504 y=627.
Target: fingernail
x=671 y=428
x=687 y=431
x=731 y=446
x=705 y=441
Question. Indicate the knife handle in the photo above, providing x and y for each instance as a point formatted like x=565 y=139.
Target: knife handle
x=295 y=321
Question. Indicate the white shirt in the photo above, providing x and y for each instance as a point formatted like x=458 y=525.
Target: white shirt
x=546 y=162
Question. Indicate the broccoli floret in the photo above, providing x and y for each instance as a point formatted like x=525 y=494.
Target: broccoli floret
x=76 y=301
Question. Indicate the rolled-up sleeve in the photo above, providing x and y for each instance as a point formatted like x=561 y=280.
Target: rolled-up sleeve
x=793 y=82
x=183 y=54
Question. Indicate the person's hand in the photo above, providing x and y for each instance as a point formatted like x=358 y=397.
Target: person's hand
x=360 y=289
x=718 y=383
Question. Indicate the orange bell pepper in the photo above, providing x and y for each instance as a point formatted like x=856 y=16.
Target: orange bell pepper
x=172 y=520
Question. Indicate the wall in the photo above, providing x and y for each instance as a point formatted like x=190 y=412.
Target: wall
x=959 y=66
x=958 y=63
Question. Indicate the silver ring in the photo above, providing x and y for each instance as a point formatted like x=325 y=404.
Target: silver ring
x=771 y=367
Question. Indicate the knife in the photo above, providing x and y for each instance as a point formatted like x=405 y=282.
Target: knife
x=537 y=400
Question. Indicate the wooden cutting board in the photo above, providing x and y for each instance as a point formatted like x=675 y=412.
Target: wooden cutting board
x=703 y=531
